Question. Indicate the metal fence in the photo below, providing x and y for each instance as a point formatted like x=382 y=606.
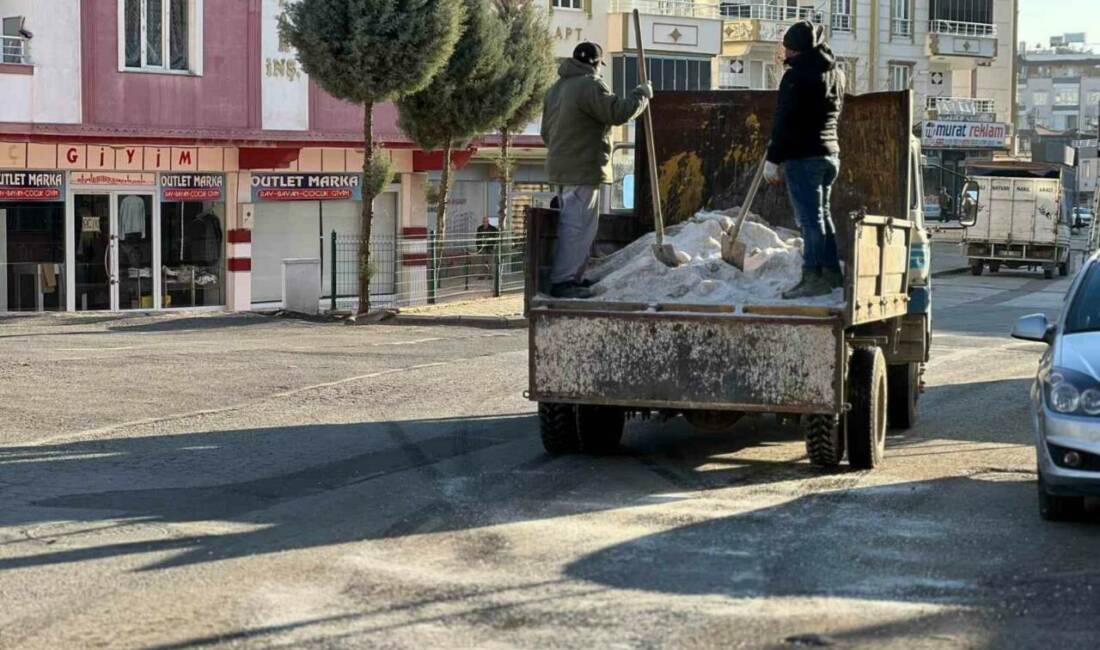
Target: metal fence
x=405 y=272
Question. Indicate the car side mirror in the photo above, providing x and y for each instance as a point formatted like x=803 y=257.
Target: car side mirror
x=968 y=205
x=1035 y=327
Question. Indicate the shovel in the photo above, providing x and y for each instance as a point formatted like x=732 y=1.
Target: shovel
x=734 y=251
x=665 y=253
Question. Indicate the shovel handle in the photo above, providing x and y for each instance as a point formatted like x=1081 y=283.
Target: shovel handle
x=651 y=149
x=747 y=203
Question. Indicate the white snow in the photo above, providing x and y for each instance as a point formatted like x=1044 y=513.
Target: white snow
x=772 y=265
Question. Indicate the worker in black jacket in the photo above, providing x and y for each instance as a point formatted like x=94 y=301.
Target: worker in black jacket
x=804 y=151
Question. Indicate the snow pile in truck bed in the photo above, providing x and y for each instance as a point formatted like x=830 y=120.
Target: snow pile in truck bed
x=773 y=265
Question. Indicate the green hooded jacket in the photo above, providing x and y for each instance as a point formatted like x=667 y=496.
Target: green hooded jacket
x=577 y=117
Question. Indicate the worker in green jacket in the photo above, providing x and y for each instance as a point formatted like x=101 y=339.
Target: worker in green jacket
x=577 y=117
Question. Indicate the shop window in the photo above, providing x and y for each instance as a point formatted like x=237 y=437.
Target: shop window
x=192 y=254
x=1067 y=95
x=161 y=35
x=32 y=256
x=664 y=73
x=568 y=4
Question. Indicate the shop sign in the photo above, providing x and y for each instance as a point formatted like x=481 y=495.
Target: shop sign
x=964 y=135
x=113 y=178
x=32 y=186
x=307 y=187
x=192 y=187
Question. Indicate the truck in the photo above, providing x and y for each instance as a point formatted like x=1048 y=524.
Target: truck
x=1024 y=220
x=843 y=373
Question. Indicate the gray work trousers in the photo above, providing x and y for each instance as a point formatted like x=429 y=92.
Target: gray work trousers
x=580 y=217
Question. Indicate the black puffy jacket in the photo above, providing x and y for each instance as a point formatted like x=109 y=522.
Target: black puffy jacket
x=811 y=96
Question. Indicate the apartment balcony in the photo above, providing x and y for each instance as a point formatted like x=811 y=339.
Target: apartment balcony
x=964 y=42
x=969 y=109
x=14 y=50
x=761 y=23
x=677 y=8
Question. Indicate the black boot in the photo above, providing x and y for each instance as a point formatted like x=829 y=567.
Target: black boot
x=811 y=284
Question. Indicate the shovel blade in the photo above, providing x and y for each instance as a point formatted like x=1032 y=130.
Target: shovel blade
x=668 y=255
x=734 y=252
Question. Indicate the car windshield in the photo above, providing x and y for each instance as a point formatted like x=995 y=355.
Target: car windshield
x=1084 y=311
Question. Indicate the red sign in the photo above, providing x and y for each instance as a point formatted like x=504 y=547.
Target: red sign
x=191 y=195
x=29 y=194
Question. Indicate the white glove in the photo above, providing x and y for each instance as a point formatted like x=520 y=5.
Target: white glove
x=645 y=90
x=773 y=173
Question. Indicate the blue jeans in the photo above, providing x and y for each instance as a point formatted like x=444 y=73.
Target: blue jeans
x=810 y=187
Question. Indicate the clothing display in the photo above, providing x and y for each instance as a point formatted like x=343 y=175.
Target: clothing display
x=203 y=237
x=131 y=216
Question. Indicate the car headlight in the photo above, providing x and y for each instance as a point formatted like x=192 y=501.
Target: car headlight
x=1072 y=392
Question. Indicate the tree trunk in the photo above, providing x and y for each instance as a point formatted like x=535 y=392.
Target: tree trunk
x=505 y=181
x=366 y=210
x=441 y=211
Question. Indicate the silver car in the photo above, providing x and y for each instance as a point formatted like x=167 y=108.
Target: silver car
x=1065 y=397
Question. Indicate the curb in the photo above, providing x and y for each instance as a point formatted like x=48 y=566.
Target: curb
x=960 y=271
x=483 y=322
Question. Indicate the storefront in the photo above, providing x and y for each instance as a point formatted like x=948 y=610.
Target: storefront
x=32 y=240
x=948 y=145
x=296 y=216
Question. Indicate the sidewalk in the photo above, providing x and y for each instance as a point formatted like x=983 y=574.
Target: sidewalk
x=495 y=313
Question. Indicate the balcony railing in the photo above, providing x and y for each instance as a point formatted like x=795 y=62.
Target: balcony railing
x=682 y=8
x=960 y=105
x=901 y=27
x=13 y=49
x=959 y=28
x=769 y=12
x=841 y=22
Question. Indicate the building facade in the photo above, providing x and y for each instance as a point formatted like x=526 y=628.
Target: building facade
x=172 y=153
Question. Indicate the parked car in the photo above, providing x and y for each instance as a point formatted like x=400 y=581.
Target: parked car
x=1065 y=398
x=1082 y=217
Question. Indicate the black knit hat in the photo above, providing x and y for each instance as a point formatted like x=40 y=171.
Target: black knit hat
x=802 y=36
x=590 y=53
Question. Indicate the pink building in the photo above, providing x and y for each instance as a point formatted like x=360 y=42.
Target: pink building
x=171 y=153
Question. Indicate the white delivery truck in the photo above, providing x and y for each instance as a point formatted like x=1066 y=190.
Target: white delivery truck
x=1023 y=219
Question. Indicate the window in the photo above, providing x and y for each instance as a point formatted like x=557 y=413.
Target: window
x=1040 y=99
x=842 y=16
x=161 y=35
x=1067 y=96
x=902 y=23
x=900 y=76
x=568 y=4
x=1093 y=102
x=664 y=73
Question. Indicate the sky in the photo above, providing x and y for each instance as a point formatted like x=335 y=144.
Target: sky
x=1041 y=19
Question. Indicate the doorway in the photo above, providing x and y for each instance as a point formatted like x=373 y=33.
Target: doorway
x=113 y=235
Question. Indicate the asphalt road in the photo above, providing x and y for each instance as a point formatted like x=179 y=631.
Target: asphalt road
x=241 y=481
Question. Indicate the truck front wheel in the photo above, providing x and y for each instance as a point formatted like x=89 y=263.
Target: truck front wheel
x=1048 y=272
x=976 y=267
x=825 y=440
x=867 y=392
x=1063 y=269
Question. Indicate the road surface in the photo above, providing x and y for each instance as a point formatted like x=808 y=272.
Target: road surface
x=240 y=481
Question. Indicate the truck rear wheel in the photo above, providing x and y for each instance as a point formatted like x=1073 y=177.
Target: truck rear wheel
x=825 y=440
x=976 y=267
x=994 y=267
x=903 y=386
x=575 y=428
x=558 y=428
x=867 y=392
x=600 y=428
x=1063 y=269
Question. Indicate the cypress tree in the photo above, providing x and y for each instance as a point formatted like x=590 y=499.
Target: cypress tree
x=368 y=52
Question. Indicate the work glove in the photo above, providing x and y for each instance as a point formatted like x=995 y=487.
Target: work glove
x=645 y=90
x=773 y=173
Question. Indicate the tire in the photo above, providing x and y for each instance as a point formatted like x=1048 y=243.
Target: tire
x=600 y=428
x=867 y=392
x=903 y=387
x=824 y=440
x=1058 y=508
x=1048 y=272
x=976 y=267
x=1063 y=269
x=994 y=267
x=558 y=428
